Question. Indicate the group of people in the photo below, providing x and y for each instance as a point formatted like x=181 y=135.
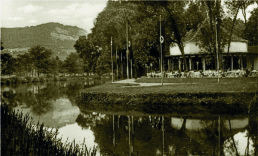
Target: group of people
x=201 y=74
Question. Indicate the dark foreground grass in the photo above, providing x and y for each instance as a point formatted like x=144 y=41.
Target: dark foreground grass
x=20 y=136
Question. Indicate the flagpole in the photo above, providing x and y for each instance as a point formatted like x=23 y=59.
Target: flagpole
x=127 y=67
x=161 y=53
x=131 y=69
x=112 y=60
x=217 y=50
x=122 y=70
x=116 y=65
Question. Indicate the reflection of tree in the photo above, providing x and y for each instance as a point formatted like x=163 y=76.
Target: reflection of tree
x=253 y=131
x=40 y=96
x=146 y=135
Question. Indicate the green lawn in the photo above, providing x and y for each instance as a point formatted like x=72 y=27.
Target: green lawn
x=181 y=86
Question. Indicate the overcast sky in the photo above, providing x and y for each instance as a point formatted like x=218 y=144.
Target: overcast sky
x=81 y=13
x=20 y=13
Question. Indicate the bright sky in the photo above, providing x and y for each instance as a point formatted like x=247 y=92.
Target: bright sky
x=81 y=13
x=20 y=13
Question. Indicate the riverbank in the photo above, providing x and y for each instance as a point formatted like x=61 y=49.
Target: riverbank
x=22 y=80
x=231 y=96
x=154 y=85
x=20 y=136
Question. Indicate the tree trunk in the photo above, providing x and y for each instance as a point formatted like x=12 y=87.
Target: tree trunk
x=231 y=30
x=177 y=35
x=181 y=47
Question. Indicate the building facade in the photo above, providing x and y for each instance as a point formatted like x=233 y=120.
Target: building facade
x=240 y=56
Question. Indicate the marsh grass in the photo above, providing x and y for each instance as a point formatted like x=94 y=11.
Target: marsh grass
x=20 y=136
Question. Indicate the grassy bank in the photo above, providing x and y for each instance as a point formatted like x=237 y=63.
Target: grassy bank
x=19 y=136
x=22 y=80
x=180 y=86
x=166 y=103
x=191 y=96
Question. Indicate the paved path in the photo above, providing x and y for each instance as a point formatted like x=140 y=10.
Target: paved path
x=132 y=81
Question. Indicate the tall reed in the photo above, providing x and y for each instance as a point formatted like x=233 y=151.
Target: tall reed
x=20 y=136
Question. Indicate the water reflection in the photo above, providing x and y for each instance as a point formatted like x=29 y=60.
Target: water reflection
x=42 y=97
x=116 y=134
x=159 y=135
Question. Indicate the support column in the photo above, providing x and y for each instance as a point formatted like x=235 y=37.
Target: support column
x=179 y=64
x=190 y=63
x=169 y=64
x=232 y=62
x=241 y=59
x=203 y=64
x=172 y=64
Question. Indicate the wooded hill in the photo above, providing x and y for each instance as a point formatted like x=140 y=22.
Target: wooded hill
x=55 y=36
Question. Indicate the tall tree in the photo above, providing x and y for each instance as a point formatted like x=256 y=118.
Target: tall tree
x=88 y=52
x=233 y=7
x=40 y=56
x=24 y=63
x=73 y=63
x=7 y=63
x=252 y=28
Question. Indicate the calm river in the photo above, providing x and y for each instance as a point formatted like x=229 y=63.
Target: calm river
x=54 y=104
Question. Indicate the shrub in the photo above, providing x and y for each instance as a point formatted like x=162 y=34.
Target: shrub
x=23 y=80
x=15 y=80
x=42 y=79
x=29 y=79
x=35 y=79
x=62 y=79
x=56 y=79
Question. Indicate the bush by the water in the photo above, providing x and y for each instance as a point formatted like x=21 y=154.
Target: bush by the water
x=20 y=136
x=213 y=103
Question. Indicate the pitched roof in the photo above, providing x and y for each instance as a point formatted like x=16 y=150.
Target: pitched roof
x=192 y=35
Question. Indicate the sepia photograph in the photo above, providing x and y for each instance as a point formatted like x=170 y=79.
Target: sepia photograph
x=129 y=77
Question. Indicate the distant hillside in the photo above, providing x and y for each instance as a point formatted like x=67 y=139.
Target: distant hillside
x=58 y=37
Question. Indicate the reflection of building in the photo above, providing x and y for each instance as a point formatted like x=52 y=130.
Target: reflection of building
x=240 y=55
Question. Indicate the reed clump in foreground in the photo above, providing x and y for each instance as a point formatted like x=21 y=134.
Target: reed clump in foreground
x=20 y=136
